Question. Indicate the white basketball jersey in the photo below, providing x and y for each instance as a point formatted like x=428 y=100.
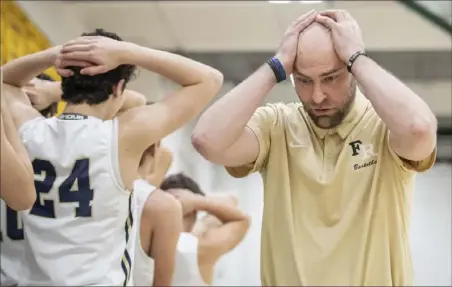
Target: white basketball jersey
x=11 y=246
x=186 y=271
x=143 y=267
x=79 y=231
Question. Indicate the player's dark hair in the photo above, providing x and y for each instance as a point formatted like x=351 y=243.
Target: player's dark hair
x=181 y=181
x=45 y=77
x=92 y=90
x=51 y=110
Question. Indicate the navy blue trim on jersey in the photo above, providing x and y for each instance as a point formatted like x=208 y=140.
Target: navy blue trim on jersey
x=126 y=262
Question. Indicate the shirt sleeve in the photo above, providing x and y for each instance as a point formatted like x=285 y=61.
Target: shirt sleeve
x=261 y=124
x=410 y=165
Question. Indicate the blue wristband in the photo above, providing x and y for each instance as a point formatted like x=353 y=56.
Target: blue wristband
x=278 y=69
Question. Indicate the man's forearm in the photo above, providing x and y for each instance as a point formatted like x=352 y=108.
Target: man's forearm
x=222 y=123
x=21 y=71
x=184 y=71
x=404 y=112
x=225 y=212
x=13 y=137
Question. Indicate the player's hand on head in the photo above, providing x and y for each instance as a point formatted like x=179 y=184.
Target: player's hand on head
x=187 y=199
x=287 y=50
x=345 y=32
x=95 y=54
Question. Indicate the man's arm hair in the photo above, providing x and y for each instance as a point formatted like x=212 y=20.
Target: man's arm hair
x=221 y=134
x=412 y=127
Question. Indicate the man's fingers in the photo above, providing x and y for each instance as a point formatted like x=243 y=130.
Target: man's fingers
x=64 y=73
x=303 y=17
x=326 y=21
x=77 y=56
x=306 y=22
x=77 y=47
x=67 y=63
x=338 y=15
x=79 y=41
x=94 y=70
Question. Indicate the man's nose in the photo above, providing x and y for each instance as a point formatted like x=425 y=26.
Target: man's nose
x=318 y=96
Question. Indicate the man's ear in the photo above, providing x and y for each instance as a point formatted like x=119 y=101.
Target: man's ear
x=118 y=89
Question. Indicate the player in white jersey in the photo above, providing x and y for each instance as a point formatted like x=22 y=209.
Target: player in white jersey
x=85 y=161
x=202 y=242
x=11 y=246
x=159 y=221
x=12 y=233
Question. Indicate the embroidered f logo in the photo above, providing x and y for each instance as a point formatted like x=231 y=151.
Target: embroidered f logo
x=355 y=147
x=367 y=150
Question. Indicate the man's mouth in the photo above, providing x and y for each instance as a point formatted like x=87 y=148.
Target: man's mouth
x=323 y=111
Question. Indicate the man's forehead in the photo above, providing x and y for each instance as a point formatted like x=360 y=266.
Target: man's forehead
x=324 y=71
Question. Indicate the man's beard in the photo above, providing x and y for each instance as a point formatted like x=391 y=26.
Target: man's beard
x=331 y=121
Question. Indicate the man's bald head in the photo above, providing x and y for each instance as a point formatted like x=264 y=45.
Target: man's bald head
x=315 y=36
x=315 y=46
x=321 y=80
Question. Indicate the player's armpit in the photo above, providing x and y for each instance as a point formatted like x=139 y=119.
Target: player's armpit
x=144 y=126
x=18 y=104
x=165 y=213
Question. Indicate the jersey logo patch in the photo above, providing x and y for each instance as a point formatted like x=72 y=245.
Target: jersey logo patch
x=365 y=152
x=72 y=117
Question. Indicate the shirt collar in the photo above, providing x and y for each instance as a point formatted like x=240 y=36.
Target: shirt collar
x=359 y=107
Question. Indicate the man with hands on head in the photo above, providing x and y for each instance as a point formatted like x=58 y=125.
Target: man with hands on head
x=338 y=168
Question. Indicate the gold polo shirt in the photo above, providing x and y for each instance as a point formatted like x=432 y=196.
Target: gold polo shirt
x=336 y=202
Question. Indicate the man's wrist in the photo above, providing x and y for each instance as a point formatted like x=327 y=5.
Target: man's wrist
x=129 y=54
x=358 y=63
x=199 y=202
x=51 y=54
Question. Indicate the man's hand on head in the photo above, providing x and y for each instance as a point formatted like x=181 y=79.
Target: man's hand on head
x=345 y=32
x=287 y=50
x=95 y=54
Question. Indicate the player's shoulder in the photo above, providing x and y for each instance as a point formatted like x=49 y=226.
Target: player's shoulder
x=159 y=203
x=34 y=126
